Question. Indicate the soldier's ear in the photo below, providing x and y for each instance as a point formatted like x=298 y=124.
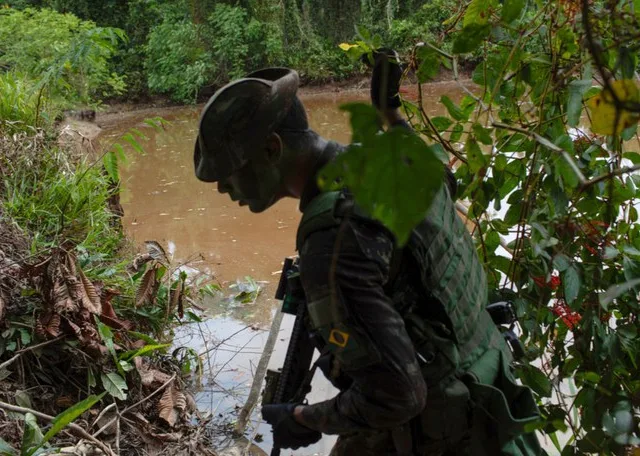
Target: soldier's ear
x=274 y=148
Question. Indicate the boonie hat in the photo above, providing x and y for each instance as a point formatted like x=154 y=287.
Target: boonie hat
x=239 y=117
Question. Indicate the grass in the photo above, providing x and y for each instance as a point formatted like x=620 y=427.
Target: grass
x=59 y=201
x=23 y=104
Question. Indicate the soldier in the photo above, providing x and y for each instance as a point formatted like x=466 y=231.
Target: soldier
x=405 y=336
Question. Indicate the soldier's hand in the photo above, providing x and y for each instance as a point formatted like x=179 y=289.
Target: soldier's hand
x=385 y=79
x=287 y=432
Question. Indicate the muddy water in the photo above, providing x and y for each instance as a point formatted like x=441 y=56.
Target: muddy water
x=163 y=201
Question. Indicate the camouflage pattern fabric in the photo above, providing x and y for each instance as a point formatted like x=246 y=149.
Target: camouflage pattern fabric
x=404 y=343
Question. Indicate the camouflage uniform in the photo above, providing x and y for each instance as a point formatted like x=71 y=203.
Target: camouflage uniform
x=365 y=303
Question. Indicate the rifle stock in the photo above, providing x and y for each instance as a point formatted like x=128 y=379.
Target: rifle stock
x=292 y=382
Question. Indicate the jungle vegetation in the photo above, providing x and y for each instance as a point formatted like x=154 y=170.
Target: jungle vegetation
x=543 y=141
x=186 y=47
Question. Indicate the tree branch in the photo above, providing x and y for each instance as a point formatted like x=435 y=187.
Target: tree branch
x=615 y=172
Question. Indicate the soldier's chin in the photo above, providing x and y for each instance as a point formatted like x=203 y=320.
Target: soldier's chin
x=258 y=206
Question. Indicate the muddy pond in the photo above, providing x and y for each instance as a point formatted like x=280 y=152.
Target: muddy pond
x=164 y=201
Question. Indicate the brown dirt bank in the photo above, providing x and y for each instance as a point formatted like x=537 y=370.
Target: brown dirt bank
x=114 y=113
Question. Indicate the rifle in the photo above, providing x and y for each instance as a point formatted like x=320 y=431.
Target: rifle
x=292 y=382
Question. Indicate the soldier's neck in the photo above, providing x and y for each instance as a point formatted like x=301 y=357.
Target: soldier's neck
x=320 y=156
x=304 y=164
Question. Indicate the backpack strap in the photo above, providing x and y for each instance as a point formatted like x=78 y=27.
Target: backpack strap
x=327 y=210
x=319 y=215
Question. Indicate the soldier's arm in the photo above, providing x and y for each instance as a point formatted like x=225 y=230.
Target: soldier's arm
x=388 y=388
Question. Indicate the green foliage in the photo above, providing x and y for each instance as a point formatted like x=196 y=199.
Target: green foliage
x=426 y=23
x=177 y=62
x=227 y=27
x=6 y=449
x=68 y=416
x=32 y=437
x=381 y=169
x=19 y=103
x=115 y=385
x=50 y=201
x=182 y=47
x=551 y=189
x=67 y=56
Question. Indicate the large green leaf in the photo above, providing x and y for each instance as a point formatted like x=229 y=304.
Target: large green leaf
x=577 y=89
x=454 y=111
x=441 y=123
x=571 y=283
x=429 y=63
x=32 y=436
x=475 y=157
x=393 y=176
x=477 y=13
x=535 y=379
x=614 y=291
x=115 y=385
x=470 y=38
x=511 y=10
x=68 y=416
x=365 y=121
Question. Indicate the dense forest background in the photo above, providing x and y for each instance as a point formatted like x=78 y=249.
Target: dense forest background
x=182 y=48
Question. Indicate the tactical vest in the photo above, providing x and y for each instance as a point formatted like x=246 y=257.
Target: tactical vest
x=464 y=359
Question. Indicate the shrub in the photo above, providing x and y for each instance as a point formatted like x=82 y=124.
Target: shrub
x=69 y=56
x=425 y=25
x=177 y=62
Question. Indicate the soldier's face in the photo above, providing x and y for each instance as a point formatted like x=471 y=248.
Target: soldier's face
x=258 y=184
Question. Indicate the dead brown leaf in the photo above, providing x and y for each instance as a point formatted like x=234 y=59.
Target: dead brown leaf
x=150 y=377
x=90 y=297
x=64 y=401
x=191 y=403
x=2 y=307
x=110 y=318
x=176 y=298
x=53 y=326
x=168 y=407
x=145 y=290
x=40 y=331
x=140 y=260
x=156 y=251
x=62 y=298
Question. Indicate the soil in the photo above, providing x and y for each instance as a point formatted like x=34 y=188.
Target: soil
x=113 y=113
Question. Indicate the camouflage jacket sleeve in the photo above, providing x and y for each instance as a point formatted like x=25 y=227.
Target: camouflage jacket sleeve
x=387 y=388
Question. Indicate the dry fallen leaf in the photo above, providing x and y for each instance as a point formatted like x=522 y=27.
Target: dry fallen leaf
x=172 y=405
x=90 y=297
x=146 y=287
x=156 y=251
x=150 y=377
x=140 y=260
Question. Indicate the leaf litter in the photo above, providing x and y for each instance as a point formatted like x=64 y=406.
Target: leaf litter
x=50 y=301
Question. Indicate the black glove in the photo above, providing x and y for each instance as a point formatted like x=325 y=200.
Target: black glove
x=385 y=79
x=287 y=432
